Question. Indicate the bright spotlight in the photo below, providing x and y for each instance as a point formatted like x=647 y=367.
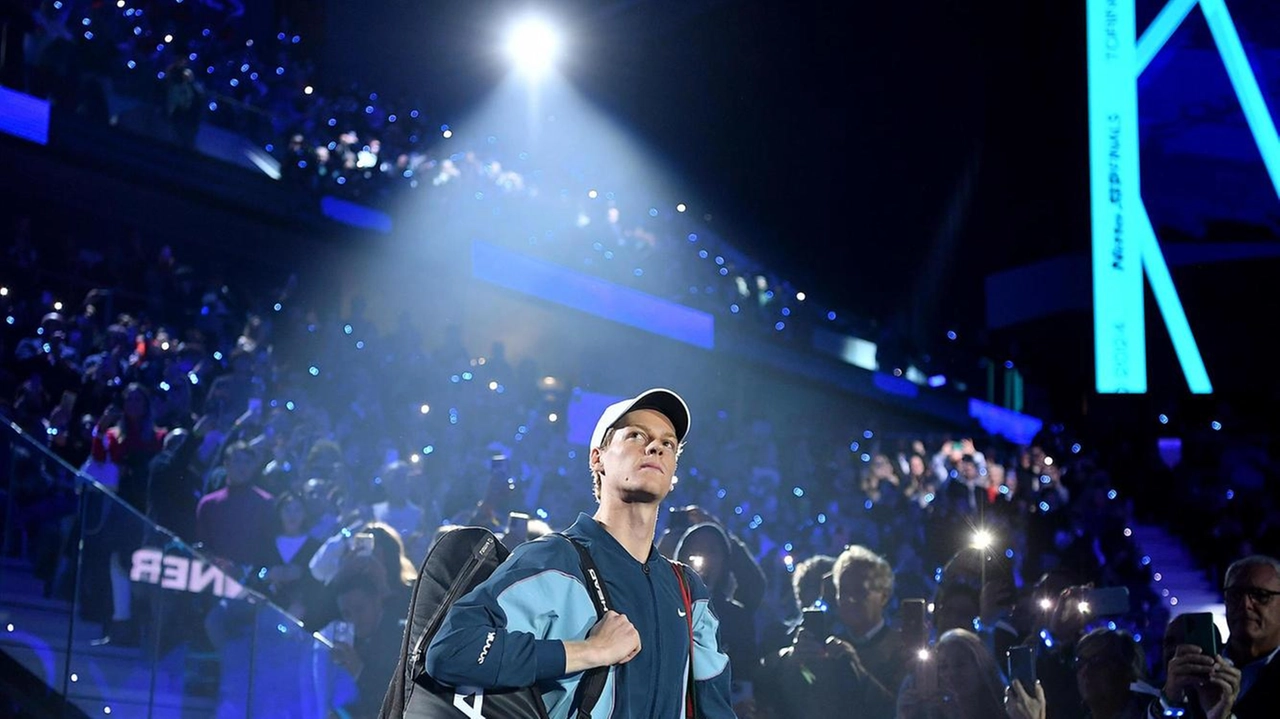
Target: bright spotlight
x=982 y=539
x=532 y=46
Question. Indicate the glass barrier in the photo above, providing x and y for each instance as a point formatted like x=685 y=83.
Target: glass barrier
x=120 y=616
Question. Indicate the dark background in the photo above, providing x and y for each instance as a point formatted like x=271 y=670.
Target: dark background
x=889 y=157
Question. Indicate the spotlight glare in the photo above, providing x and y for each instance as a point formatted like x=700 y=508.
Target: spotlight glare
x=532 y=46
x=982 y=539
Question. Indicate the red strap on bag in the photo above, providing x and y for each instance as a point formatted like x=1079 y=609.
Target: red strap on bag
x=690 y=710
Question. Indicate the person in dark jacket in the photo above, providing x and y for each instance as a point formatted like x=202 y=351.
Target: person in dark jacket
x=533 y=622
x=1252 y=593
x=708 y=549
x=371 y=657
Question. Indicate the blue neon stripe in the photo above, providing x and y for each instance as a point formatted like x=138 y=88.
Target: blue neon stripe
x=1014 y=426
x=1114 y=177
x=24 y=116
x=1160 y=30
x=895 y=385
x=1175 y=318
x=349 y=213
x=1245 y=83
x=558 y=284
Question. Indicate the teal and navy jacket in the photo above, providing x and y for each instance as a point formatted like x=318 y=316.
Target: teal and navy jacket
x=509 y=630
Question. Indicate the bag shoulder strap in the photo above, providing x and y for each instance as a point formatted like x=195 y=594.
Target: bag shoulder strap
x=591 y=687
x=690 y=706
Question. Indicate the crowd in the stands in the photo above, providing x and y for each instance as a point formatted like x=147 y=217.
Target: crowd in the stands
x=315 y=455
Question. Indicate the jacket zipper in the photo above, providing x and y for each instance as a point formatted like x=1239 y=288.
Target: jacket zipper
x=657 y=623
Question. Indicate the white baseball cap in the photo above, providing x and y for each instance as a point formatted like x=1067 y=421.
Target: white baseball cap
x=662 y=400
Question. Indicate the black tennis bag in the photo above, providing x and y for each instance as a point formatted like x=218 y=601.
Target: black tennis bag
x=459 y=561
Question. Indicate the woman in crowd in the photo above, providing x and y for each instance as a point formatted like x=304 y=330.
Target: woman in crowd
x=964 y=682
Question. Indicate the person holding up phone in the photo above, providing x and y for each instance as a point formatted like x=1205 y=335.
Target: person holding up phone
x=1252 y=594
x=958 y=679
x=1197 y=677
x=828 y=669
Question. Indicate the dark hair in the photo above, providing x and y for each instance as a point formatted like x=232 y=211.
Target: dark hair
x=365 y=574
x=288 y=496
x=1118 y=644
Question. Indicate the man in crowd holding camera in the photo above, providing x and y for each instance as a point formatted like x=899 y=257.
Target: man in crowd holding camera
x=1244 y=681
x=827 y=671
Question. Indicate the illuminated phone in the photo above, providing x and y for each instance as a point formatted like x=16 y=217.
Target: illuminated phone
x=361 y=544
x=517 y=529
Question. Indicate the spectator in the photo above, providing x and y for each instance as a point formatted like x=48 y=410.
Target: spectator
x=287 y=581
x=360 y=588
x=128 y=445
x=174 y=484
x=964 y=682
x=396 y=510
x=706 y=548
x=1110 y=669
x=1205 y=686
x=864 y=586
x=235 y=523
x=184 y=103
x=823 y=674
x=1252 y=592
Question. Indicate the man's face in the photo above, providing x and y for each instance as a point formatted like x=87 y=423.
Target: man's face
x=362 y=609
x=640 y=459
x=859 y=604
x=1253 y=615
x=240 y=467
x=917 y=465
x=1100 y=675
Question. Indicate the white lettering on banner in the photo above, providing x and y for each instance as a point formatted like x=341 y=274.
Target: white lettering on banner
x=175 y=572
x=473 y=710
x=151 y=566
